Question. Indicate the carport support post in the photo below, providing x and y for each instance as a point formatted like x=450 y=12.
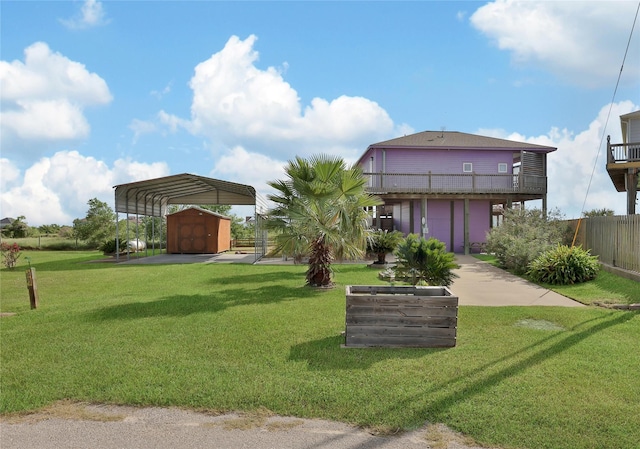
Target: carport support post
x=117 y=238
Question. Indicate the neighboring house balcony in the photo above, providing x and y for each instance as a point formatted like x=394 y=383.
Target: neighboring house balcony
x=623 y=166
x=489 y=186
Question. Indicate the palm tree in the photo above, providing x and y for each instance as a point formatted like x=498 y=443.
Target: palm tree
x=321 y=212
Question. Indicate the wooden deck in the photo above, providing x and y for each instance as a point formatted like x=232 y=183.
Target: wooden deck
x=623 y=166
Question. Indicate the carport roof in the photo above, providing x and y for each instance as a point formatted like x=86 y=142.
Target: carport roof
x=151 y=197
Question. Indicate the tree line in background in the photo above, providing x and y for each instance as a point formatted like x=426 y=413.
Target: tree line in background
x=97 y=230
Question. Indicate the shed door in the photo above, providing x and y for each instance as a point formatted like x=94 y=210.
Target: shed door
x=192 y=234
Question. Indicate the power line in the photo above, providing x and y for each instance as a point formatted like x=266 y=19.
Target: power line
x=606 y=123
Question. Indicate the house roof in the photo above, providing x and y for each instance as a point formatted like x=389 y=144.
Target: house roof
x=634 y=114
x=151 y=197
x=6 y=221
x=458 y=140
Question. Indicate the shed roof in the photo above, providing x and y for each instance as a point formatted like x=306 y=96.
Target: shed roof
x=151 y=197
x=201 y=210
x=458 y=140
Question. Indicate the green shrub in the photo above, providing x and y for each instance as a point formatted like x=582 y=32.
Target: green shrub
x=425 y=261
x=524 y=235
x=563 y=266
x=109 y=247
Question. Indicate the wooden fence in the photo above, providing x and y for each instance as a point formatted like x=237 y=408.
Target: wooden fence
x=616 y=240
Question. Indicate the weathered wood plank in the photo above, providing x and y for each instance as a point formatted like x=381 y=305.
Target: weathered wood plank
x=400 y=331
x=401 y=310
x=397 y=290
x=450 y=321
x=402 y=342
x=451 y=301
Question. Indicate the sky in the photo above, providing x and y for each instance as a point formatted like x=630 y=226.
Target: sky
x=100 y=93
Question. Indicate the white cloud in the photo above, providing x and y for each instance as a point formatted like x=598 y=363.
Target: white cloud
x=236 y=103
x=43 y=99
x=90 y=15
x=254 y=169
x=581 y=41
x=244 y=167
x=173 y=122
x=570 y=168
x=159 y=94
x=141 y=127
x=56 y=189
x=8 y=173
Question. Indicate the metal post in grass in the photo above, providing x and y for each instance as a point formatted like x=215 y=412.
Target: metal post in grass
x=32 y=286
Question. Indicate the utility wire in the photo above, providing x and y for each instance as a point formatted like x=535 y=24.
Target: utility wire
x=606 y=123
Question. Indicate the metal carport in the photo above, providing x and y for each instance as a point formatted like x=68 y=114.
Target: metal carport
x=153 y=196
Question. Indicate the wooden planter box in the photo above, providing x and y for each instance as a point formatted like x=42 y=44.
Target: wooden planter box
x=400 y=316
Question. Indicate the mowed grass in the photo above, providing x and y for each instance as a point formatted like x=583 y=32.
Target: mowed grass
x=240 y=337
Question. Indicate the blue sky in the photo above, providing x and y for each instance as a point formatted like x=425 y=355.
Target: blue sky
x=96 y=94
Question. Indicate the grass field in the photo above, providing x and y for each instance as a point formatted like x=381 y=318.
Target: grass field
x=239 y=337
x=52 y=243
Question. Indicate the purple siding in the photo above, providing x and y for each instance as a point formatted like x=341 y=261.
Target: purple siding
x=479 y=220
x=437 y=161
x=439 y=221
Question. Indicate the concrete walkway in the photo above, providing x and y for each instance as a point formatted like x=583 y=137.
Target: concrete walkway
x=482 y=284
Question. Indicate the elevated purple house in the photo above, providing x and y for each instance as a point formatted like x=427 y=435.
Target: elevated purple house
x=446 y=184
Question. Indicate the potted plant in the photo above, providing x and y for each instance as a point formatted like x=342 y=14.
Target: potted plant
x=381 y=242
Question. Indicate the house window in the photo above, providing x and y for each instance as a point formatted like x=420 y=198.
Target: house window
x=467 y=167
x=502 y=168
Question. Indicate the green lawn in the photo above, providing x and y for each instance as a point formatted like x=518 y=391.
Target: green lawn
x=239 y=337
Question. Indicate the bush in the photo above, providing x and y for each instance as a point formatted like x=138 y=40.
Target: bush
x=563 y=266
x=425 y=261
x=108 y=247
x=524 y=235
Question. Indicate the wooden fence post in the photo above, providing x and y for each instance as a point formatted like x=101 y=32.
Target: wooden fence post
x=33 y=287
